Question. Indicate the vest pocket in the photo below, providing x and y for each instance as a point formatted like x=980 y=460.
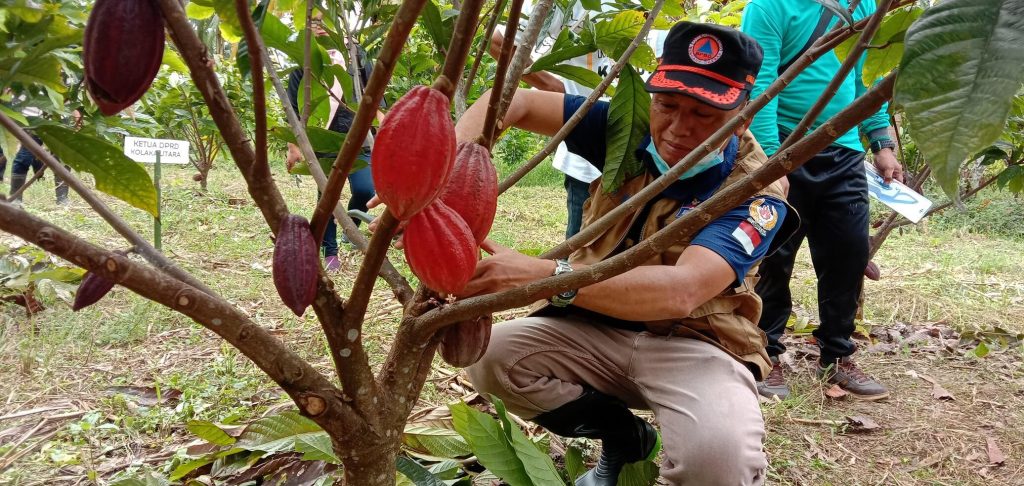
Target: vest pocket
x=727 y=325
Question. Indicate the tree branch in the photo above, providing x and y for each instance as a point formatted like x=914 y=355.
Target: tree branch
x=577 y=117
x=142 y=247
x=724 y=200
x=522 y=57
x=634 y=203
x=497 y=8
x=313 y=393
x=259 y=95
x=257 y=177
x=507 y=45
x=458 y=48
x=307 y=62
x=399 y=285
x=840 y=77
x=404 y=21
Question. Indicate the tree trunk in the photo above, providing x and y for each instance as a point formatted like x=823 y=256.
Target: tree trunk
x=369 y=465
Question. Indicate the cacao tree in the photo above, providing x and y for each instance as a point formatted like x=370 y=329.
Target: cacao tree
x=363 y=410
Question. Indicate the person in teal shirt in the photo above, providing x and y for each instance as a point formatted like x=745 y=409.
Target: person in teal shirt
x=829 y=191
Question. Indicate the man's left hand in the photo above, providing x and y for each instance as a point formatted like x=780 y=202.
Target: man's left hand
x=505 y=269
x=888 y=167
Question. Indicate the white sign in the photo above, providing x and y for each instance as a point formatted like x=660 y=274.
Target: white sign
x=897 y=196
x=144 y=150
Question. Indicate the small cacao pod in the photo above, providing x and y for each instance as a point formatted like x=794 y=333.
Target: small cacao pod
x=872 y=271
x=464 y=343
x=122 y=51
x=440 y=248
x=91 y=290
x=295 y=263
x=472 y=189
x=414 y=152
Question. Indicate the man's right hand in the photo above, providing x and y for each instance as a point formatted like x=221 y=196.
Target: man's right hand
x=294 y=156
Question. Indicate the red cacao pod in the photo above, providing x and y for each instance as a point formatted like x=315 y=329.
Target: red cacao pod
x=464 y=343
x=122 y=51
x=872 y=271
x=440 y=248
x=296 y=263
x=93 y=288
x=472 y=189
x=414 y=152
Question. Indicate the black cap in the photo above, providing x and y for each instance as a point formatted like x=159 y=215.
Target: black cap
x=709 y=62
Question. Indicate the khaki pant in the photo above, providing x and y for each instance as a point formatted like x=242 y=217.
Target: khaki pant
x=704 y=401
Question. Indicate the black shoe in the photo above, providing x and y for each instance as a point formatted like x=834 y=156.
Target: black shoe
x=61 y=192
x=625 y=438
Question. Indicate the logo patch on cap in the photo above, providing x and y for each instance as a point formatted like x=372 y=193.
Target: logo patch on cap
x=705 y=49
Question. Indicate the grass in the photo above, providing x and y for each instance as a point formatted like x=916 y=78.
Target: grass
x=954 y=270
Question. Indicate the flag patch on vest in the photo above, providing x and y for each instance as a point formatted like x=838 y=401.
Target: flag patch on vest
x=747 y=236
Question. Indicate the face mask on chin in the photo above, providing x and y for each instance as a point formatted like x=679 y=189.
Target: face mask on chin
x=710 y=160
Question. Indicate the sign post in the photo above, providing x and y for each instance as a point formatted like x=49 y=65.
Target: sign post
x=157 y=152
x=159 y=203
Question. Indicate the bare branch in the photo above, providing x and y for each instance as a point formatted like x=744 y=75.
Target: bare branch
x=577 y=117
x=311 y=390
x=840 y=76
x=724 y=200
x=257 y=177
x=823 y=45
x=404 y=21
x=458 y=48
x=507 y=45
x=142 y=247
x=522 y=58
x=496 y=9
x=259 y=95
x=399 y=285
x=307 y=62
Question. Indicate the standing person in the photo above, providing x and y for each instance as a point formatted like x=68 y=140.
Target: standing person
x=341 y=116
x=579 y=173
x=676 y=335
x=830 y=191
x=25 y=160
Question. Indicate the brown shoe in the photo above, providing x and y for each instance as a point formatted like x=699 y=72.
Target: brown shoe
x=845 y=373
x=775 y=384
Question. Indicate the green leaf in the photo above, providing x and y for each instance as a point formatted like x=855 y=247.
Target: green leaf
x=879 y=60
x=149 y=479
x=209 y=432
x=574 y=466
x=488 y=441
x=592 y=5
x=416 y=473
x=198 y=12
x=961 y=70
x=641 y=473
x=837 y=9
x=321 y=139
x=980 y=351
x=613 y=36
x=174 y=61
x=43 y=70
x=628 y=123
x=435 y=26
x=59 y=274
x=566 y=47
x=538 y=464
x=115 y=173
x=581 y=75
x=435 y=441
x=288 y=431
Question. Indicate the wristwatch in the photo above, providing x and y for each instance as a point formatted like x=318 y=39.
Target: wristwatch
x=565 y=298
x=878 y=145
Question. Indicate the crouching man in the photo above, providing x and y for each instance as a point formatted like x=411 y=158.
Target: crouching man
x=677 y=335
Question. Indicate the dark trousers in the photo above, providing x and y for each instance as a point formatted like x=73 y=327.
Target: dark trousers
x=577 y=192
x=360 y=183
x=830 y=193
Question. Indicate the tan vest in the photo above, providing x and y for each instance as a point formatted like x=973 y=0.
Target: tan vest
x=728 y=320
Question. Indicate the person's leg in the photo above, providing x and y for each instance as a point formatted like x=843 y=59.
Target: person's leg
x=60 y=189
x=3 y=165
x=570 y=377
x=23 y=161
x=360 y=183
x=839 y=250
x=329 y=243
x=706 y=405
x=577 y=192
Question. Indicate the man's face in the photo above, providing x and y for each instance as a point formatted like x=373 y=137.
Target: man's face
x=680 y=124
